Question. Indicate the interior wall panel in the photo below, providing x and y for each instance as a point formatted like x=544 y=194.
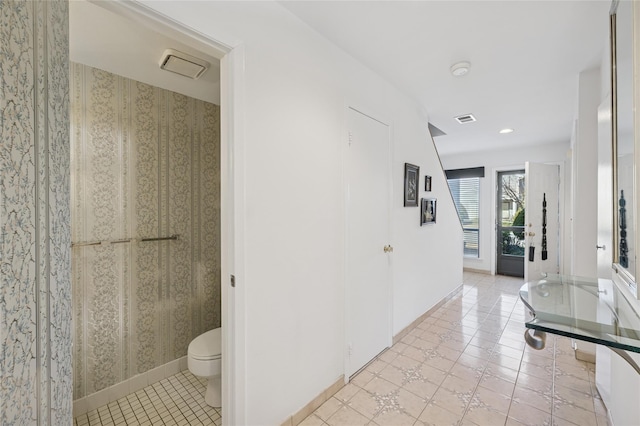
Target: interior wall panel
x=139 y=173
x=35 y=290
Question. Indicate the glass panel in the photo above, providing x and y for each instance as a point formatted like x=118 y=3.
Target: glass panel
x=512 y=207
x=471 y=242
x=513 y=241
x=466 y=196
x=584 y=309
x=625 y=175
x=511 y=213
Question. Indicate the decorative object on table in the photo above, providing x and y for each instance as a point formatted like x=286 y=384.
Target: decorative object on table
x=427 y=183
x=411 y=178
x=529 y=235
x=624 y=249
x=427 y=211
x=544 y=226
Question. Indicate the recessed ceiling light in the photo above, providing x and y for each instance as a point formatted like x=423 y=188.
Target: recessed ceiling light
x=461 y=68
x=505 y=131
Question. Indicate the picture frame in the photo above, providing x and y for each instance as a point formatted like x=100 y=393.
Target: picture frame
x=411 y=182
x=427 y=183
x=428 y=211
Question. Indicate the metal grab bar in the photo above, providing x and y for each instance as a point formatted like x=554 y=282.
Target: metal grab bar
x=88 y=243
x=124 y=240
x=172 y=237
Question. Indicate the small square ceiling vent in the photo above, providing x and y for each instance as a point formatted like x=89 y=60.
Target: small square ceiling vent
x=467 y=118
x=183 y=64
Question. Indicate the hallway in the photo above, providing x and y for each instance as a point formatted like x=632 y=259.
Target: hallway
x=467 y=364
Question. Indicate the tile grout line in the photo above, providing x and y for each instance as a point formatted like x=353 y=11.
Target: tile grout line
x=485 y=369
x=513 y=392
x=553 y=382
x=174 y=399
x=447 y=374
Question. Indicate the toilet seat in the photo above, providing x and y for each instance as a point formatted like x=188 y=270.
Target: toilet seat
x=207 y=346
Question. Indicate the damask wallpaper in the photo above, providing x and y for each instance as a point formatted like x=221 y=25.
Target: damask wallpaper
x=35 y=285
x=144 y=164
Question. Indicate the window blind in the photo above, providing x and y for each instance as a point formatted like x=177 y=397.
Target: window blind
x=466 y=196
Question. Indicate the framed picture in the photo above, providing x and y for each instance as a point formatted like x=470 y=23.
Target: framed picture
x=411 y=181
x=427 y=183
x=427 y=211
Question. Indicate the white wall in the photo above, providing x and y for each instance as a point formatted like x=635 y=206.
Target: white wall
x=36 y=337
x=493 y=162
x=107 y=41
x=617 y=382
x=297 y=86
x=585 y=176
x=428 y=260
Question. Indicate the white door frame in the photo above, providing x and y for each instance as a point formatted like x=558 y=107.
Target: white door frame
x=231 y=55
x=351 y=106
x=494 y=215
x=535 y=268
x=604 y=243
x=494 y=212
x=496 y=190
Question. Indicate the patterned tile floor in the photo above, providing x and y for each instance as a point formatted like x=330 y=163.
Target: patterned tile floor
x=177 y=400
x=467 y=364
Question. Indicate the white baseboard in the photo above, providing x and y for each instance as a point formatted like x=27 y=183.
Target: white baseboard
x=314 y=404
x=129 y=386
x=422 y=317
x=477 y=271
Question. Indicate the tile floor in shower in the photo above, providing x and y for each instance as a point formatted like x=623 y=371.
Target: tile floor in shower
x=466 y=364
x=177 y=400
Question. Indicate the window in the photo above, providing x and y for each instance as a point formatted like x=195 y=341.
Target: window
x=465 y=190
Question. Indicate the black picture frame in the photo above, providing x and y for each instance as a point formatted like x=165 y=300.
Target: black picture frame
x=411 y=182
x=428 y=211
x=427 y=183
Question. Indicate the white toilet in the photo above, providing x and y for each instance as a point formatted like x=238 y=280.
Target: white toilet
x=204 y=359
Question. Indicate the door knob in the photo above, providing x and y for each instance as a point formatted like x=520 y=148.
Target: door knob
x=603 y=247
x=388 y=249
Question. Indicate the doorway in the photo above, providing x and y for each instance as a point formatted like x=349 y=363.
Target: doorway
x=230 y=83
x=368 y=253
x=543 y=220
x=510 y=238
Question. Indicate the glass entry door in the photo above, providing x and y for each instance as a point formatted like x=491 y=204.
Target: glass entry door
x=510 y=241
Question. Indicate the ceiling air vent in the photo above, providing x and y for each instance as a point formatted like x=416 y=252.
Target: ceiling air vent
x=467 y=118
x=183 y=64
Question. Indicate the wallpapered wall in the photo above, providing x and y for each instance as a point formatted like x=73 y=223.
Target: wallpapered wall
x=144 y=164
x=35 y=285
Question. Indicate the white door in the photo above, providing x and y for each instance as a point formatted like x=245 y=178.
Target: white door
x=605 y=241
x=509 y=226
x=605 y=191
x=368 y=316
x=542 y=183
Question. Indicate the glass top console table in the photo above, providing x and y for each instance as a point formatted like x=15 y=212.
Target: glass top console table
x=584 y=309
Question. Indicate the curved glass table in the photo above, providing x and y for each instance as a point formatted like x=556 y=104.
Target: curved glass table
x=584 y=309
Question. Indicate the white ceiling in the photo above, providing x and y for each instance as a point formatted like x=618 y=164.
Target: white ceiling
x=525 y=56
x=105 y=40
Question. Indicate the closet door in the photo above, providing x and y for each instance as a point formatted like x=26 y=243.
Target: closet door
x=368 y=263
